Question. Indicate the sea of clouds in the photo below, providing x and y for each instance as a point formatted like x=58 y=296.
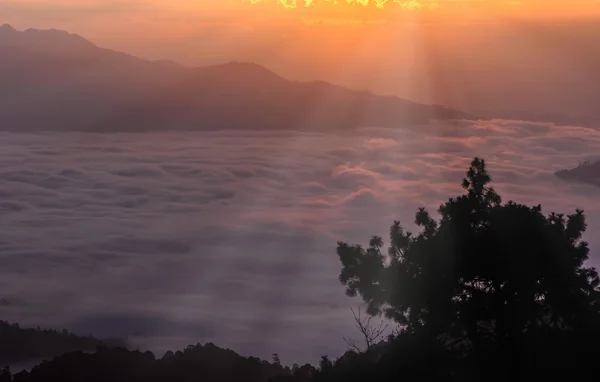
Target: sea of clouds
x=178 y=238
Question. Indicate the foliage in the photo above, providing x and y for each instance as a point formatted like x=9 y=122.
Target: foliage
x=371 y=334
x=21 y=344
x=194 y=363
x=485 y=278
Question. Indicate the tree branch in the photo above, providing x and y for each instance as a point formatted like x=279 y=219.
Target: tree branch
x=371 y=334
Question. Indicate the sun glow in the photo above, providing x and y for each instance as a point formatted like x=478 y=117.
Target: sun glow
x=406 y=4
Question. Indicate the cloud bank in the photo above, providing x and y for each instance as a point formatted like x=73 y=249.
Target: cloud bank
x=230 y=236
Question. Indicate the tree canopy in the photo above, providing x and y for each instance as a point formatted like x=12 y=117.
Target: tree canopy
x=486 y=274
x=19 y=344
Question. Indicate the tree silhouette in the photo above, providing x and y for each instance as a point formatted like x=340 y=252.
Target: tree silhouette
x=486 y=276
x=195 y=363
x=275 y=359
x=5 y=374
x=22 y=344
x=371 y=334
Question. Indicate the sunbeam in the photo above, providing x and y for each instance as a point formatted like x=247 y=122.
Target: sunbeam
x=239 y=174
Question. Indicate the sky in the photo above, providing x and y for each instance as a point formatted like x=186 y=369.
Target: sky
x=473 y=55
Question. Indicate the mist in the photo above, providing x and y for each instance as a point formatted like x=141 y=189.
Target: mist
x=229 y=236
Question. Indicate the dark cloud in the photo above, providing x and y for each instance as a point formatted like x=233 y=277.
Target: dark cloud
x=230 y=236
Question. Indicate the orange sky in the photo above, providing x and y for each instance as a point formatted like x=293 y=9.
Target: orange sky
x=164 y=20
x=433 y=54
x=180 y=12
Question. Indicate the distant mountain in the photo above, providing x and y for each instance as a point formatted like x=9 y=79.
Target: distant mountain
x=53 y=80
x=50 y=41
x=587 y=172
x=555 y=117
x=19 y=345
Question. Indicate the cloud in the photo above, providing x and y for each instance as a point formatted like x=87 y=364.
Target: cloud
x=230 y=236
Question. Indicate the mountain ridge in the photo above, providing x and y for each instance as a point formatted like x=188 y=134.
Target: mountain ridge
x=587 y=172
x=71 y=84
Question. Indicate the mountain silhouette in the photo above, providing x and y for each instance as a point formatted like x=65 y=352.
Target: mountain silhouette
x=45 y=40
x=53 y=80
x=587 y=172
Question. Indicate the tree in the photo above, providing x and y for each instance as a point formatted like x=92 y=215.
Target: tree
x=325 y=364
x=304 y=372
x=5 y=374
x=275 y=359
x=371 y=334
x=484 y=274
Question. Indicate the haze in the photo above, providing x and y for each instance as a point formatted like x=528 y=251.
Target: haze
x=176 y=171
x=537 y=56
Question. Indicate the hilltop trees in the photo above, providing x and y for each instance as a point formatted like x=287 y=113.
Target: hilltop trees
x=491 y=279
x=195 y=363
x=23 y=344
